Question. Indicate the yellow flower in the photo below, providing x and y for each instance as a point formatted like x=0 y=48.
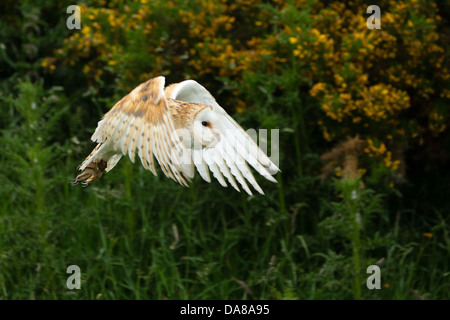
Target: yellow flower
x=326 y=135
x=293 y=40
x=317 y=88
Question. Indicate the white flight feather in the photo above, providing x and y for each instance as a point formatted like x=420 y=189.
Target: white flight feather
x=201 y=166
x=234 y=162
x=213 y=166
x=122 y=143
x=217 y=157
x=242 y=166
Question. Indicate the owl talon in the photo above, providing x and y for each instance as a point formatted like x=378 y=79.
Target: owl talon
x=75 y=182
x=91 y=173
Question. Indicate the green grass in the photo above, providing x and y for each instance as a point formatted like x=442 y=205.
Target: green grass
x=163 y=241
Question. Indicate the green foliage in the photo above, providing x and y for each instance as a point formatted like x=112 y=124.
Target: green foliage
x=136 y=236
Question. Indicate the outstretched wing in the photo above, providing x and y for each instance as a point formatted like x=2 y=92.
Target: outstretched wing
x=142 y=121
x=228 y=161
x=236 y=149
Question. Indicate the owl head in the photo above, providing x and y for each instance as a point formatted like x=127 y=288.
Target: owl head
x=207 y=127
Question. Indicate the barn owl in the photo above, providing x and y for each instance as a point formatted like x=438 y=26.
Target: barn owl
x=183 y=128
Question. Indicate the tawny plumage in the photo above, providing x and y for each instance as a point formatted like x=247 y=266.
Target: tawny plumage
x=183 y=128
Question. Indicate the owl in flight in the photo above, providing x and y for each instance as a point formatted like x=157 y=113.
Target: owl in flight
x=183 y=128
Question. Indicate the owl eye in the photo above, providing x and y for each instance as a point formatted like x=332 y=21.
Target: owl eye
x=204 y=123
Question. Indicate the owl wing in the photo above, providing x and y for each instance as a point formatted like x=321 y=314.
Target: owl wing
x=230 y=157
x=142 y=121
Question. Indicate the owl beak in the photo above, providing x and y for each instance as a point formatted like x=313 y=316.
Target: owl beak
x=217 y=135
x=215 y=141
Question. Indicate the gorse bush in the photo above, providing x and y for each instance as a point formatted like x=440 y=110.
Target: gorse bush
x=364 y=142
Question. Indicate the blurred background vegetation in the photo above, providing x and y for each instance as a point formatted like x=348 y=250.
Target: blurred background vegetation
x=364 y=151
